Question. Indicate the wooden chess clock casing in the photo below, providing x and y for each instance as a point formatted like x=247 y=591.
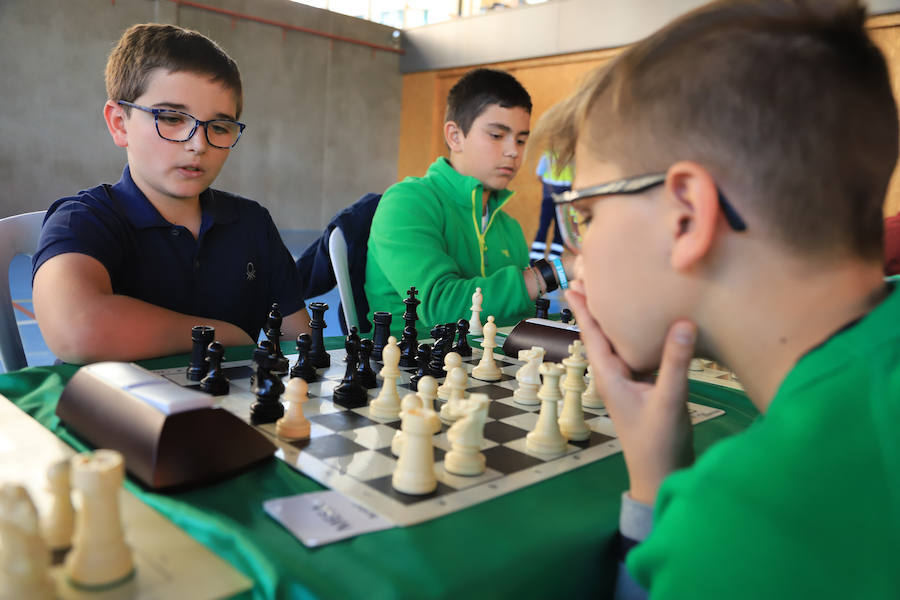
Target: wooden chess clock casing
x=107 y=405
x=554 y=337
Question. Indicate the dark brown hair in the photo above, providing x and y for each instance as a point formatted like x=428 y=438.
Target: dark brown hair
x=787 y=103
x=480 y=88
x=143 y=48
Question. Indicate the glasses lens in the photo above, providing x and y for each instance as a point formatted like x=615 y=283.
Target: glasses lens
x=222 y=133
x=174 y=126
x=569 y=226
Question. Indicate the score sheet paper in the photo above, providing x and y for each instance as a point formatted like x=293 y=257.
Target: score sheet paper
x=320 y=518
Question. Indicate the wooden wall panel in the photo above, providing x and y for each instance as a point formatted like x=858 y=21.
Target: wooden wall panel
x=549 y=80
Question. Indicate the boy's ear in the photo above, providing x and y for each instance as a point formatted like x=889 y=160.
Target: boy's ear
x=692 y=213
x=114 y=115
x=453 y=135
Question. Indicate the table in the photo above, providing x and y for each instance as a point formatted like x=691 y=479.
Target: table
x=553 y=539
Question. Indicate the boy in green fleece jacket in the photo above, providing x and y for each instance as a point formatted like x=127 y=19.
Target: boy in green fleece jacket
x=731 y=174
x=446 y=233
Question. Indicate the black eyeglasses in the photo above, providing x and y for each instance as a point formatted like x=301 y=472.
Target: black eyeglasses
x=177 y=126
x=573 y=227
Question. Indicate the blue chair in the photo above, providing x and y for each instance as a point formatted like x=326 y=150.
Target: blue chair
x=19 y=234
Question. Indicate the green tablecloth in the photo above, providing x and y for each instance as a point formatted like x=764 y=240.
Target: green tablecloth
x=552 y=539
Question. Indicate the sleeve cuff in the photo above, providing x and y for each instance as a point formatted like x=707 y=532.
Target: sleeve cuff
x=635 y=518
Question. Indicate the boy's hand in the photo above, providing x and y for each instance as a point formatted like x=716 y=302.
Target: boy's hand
x=651 y=420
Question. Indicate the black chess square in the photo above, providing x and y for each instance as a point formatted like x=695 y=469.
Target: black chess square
x=500 y=432
x=493 y=391
x=383 y=485
x=328 y=446
x=438 y=452
x=506 y=460
x=503 y=377
x=233 y=373
x=342 y=421
x=595 y=440
x=499 y=410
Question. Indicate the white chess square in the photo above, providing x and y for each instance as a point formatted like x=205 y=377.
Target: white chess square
x=363 y=465
x=525 y=421
x=519 y=444
x=460 y=482
x=441 y=441
x=372 y=437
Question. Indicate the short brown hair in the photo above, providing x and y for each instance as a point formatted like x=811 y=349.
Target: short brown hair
x=787 y=103
x=480 y=88
x=143 y=48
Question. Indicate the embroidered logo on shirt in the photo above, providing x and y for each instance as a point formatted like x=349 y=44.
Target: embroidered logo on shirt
x=505 y=252
x=251 y=271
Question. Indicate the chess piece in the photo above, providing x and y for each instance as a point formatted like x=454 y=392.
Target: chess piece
x=317 y=352
x=353 y=335
x=408 y=346
x=590 y=397
x=201 y=337
x=99 y=555
x=60 y=522
x=387 y=404
x=546 y=438
x=272 y=331
x=435 y=366
x=409 y=402
x=542 y=308
x=294 y=425
x=364 y=372
x=529 y=376
x=475 y=320
x=410 y=316
x=571 y=419
x=457 y=380
x=381 y=332
x=466 y=437
x=24 y=559
x=565 y=315
x=462 y=344
x=350 y=393
x=450 y=361
x=304 y=366
x=428 y=393
x=423 y=356
x=414 y=473
x=215 y=382
x=267 y=387
x=487 y=369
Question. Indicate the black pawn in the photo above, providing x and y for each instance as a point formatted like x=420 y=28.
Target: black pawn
x=353 y=335
x=319 y=356
x=424 y=356
x=462 y=345
x=215 y=382
x=541 y=308
x=382 y=332
x=349 y=393
x=364 y=373
x=280 y=363
x=435 y=366
x=201 y=336
x=304 y=368
x=449 y=335
x=565 y=315
x=408 y=347
x=267 y=387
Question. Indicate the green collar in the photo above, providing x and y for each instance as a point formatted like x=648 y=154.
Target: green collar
x=460 y=188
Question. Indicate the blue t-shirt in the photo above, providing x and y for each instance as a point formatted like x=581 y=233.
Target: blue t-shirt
x=233 y=272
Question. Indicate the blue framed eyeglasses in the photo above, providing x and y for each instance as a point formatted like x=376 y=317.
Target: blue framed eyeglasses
x=572 y=225
x=177 y=126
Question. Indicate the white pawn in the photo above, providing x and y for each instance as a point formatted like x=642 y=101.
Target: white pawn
x=529 y=376
x=487 y=369
x=294 y=425
x=458 y=380
x=409 y=402
x=387 y=404
x=590 y=397
x=466 y=436
x=453 y=359
x=571 y=420
x=24 y=558
x=428 y=391
x=99 y=554
x=475 y=321
x=60 y=522
x=546 y=438
x=414 y=473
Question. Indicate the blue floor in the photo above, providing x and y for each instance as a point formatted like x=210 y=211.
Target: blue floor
x=37 y=353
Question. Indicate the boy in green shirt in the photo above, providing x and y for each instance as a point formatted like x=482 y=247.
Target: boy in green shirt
x=445 y=233
x=731 y=173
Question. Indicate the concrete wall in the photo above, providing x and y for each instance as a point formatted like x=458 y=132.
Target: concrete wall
x=322 y=117
x=557 y=27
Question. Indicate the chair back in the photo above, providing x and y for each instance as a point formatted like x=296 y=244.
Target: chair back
x=18 y=235
x=337 y=250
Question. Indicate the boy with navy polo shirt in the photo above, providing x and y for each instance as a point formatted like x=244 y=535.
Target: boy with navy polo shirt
x=731 y=173
x=124 y=271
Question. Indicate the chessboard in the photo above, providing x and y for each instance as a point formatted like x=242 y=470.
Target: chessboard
x=349 y=450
